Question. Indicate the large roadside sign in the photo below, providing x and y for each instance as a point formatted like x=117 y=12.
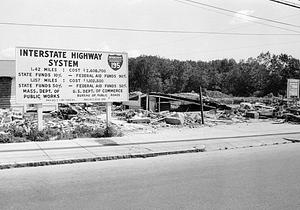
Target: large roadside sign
x=293 y=88
x=70 y=76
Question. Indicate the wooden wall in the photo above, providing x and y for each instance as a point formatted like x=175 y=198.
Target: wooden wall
x=7 y=91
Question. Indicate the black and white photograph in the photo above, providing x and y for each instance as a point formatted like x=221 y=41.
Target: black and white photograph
x=149 y=104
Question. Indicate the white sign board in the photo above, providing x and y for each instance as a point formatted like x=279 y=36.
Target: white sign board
x=293 y=88
x=70 y=76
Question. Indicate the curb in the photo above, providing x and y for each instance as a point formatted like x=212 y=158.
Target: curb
x=292 y=140
x=94 y=159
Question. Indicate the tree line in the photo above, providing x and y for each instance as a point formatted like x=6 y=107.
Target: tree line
x=265 y=74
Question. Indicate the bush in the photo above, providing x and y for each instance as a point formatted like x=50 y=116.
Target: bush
x=17 y=131
x=36 y=135
x=19 y=134
x=111 y=131
x=87 y=131
x=82 y=131
x=98 y=133
x=8 y=138
x=5 y=138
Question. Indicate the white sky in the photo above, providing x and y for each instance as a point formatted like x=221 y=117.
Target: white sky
x=149 y=14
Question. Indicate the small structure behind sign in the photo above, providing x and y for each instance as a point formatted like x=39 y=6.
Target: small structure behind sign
x=293 y=88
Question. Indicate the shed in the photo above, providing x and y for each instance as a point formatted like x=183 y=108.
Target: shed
x=7 y=83
x=8 y=88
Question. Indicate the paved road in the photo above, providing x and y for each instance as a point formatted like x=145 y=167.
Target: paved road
x=253 y=178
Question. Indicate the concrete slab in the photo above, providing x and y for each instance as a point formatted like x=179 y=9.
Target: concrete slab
x=220 y=131
x=62 y=154
x=18 y=146
x=94 y=142
x=15 y=157
x=137 y=150
x=57 y=144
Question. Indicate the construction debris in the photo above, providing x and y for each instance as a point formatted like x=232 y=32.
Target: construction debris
x=292 y=118
x=139 y=120
x=75 y=120
x=252 y=114
x=175 y=119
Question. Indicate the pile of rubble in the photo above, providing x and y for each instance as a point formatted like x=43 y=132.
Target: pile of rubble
x=284 y=109
x=88 y=120
x=68 y=122
x=220 y=114
x=190 y=119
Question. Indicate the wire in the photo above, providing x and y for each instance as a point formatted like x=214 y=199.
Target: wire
x=287 y=3
x=265 y=24
x=231 y=11
x=204 y=8
x=227 y=29
x=149 y=30
x=196 y=37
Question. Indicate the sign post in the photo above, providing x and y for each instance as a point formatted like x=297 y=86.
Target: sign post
x=40 y=116
x=108 y=114
x=52 y=76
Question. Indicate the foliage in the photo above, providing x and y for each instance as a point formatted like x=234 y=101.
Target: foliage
x=258 y=76
x=36 y=135
x=18 y=133
x=8 y=138
x=98 y=133
x=5 y=138
x=82 y=131
x=111 y=131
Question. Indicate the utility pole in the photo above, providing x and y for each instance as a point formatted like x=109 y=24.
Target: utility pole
x=201 y=105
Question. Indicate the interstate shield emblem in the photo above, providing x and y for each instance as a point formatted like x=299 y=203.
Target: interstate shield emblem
x=115 y=61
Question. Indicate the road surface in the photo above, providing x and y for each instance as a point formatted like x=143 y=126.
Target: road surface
x=253 y=178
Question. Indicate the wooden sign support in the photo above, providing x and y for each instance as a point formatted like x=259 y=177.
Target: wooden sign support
x=40 y=116
x=108 y=113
